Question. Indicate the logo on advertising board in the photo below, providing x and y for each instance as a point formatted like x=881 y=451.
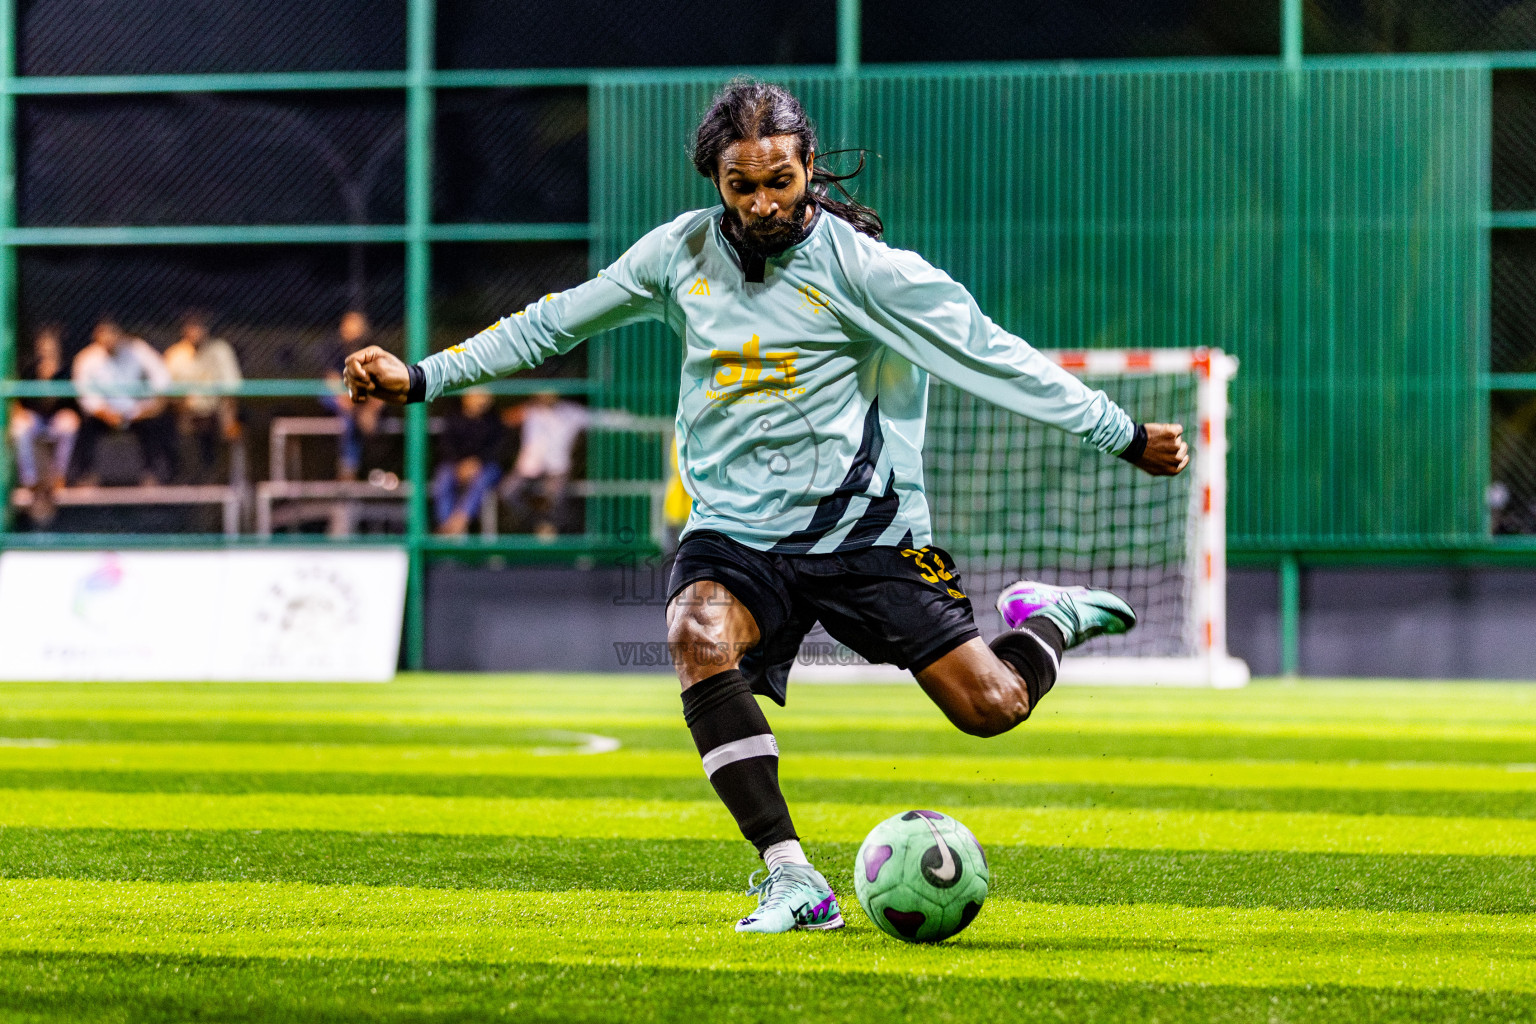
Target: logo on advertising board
x=94 y=592
x=303 y=615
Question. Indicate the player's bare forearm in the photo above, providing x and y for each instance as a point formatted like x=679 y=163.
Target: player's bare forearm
x=375 y=373
x=1166 y=453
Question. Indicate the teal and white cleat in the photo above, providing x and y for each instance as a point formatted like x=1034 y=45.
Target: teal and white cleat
x=1079 y=612
x=792 y=896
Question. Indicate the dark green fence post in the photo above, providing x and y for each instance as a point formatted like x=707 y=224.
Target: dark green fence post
x=1290 y=34
x=7 y=250
x=849 y=36
x=1290 y=615
x=850 y=51
x=1291 y=320
x=418 y=296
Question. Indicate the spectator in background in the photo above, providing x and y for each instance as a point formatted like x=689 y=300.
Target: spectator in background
x=358 y=421
x=54 y=419
x=1509 y=515
x=550 y=428
x=470 y=462
x=200 y=361
x=111 y=376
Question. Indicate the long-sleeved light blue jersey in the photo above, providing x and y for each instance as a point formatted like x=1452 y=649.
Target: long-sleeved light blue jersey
x=804 y=396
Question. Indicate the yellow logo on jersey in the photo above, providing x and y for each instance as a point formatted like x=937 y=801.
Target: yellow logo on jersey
x=751 y=368
x=813 y=300
x=524 y=312
x=455 y=348
x=700 y=286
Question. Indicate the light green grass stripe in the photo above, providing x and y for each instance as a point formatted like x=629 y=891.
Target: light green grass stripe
x=1096 y=828
x=1145 y=943
x=1339 y=710
x=1313 y=700
x=1060 y=722
x=512 y=761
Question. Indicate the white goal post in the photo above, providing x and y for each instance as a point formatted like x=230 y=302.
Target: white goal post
x=1013 y=499
x=1208 y=663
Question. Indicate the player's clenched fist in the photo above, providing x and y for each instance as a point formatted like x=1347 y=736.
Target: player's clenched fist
x=374 y=373
x=1166 y=453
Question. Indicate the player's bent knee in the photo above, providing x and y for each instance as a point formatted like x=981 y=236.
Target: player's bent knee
x=699 y=645
x=986 y=724
x=994 y=707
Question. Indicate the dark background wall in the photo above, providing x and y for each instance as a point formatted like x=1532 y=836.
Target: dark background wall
x=64 y=37
x=1431 y=623
x=1389 y=623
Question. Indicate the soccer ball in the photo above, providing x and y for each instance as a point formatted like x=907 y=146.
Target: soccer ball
x=921 y=876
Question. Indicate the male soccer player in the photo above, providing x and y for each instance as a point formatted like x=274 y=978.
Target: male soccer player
x=807 y=349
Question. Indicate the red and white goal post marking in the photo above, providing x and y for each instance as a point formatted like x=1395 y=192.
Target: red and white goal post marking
x=1210 y=664
x=1206 y=571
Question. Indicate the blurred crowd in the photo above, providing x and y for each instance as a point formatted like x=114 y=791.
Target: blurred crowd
x=170 y=405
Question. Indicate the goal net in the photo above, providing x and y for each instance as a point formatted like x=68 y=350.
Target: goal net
x=1013 y=499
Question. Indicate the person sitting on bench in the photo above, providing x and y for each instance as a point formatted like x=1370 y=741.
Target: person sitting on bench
x=200 y=360
x=469 y=466
x=111 y=375
x=55 y=419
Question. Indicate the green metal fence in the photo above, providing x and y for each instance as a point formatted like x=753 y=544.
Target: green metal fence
x=1326 y=219
x=1326 y=226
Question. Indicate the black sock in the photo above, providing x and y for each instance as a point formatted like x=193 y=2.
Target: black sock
x=740 y=755
x=1035 y=650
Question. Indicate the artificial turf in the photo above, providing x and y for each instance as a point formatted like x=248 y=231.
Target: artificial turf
x=469 y=848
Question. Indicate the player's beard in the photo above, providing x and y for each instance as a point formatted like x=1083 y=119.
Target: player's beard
x=769 y=236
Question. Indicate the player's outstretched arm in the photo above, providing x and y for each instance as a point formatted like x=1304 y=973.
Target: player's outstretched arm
x=1166 y=453
x=374 y=373
x=631 y=289
x=929 y=318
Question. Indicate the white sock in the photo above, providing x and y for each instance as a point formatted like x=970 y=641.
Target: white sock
x=787 y=852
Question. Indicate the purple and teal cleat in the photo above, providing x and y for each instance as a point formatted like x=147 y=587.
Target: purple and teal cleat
x=792 y=896
x=1081 y=613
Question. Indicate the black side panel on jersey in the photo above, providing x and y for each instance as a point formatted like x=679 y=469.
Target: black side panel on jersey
x=880 y=514
x=831 y=509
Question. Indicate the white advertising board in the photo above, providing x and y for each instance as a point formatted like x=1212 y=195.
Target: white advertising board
x=273 y=614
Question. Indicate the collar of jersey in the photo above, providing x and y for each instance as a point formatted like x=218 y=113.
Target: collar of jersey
x=725 y=243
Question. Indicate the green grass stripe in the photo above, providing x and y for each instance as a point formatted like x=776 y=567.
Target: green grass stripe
x=1011 y=939
x=1502 y=885
x=1058 y=722
x=850 y=737
x=1364 y=703
x=1340 y=709
x=513 y=761
x=706 y=819
x=915 y=791
x=74 y=987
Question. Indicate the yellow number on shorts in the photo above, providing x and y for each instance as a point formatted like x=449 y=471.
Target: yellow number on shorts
x=937 y=573
x=928 y=573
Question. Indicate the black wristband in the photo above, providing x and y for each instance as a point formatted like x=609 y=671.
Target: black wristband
x=417 y=392
x=1138 y=446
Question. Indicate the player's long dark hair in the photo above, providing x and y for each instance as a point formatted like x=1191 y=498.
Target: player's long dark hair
x=749 y=109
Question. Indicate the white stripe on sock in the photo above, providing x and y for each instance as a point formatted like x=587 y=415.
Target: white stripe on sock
x=1050 y=653
x=761 y=745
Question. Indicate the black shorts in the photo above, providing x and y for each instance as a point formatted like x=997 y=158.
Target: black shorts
x=900 y=606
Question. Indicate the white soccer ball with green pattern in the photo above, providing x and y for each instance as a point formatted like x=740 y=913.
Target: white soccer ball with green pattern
x=921 y=876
